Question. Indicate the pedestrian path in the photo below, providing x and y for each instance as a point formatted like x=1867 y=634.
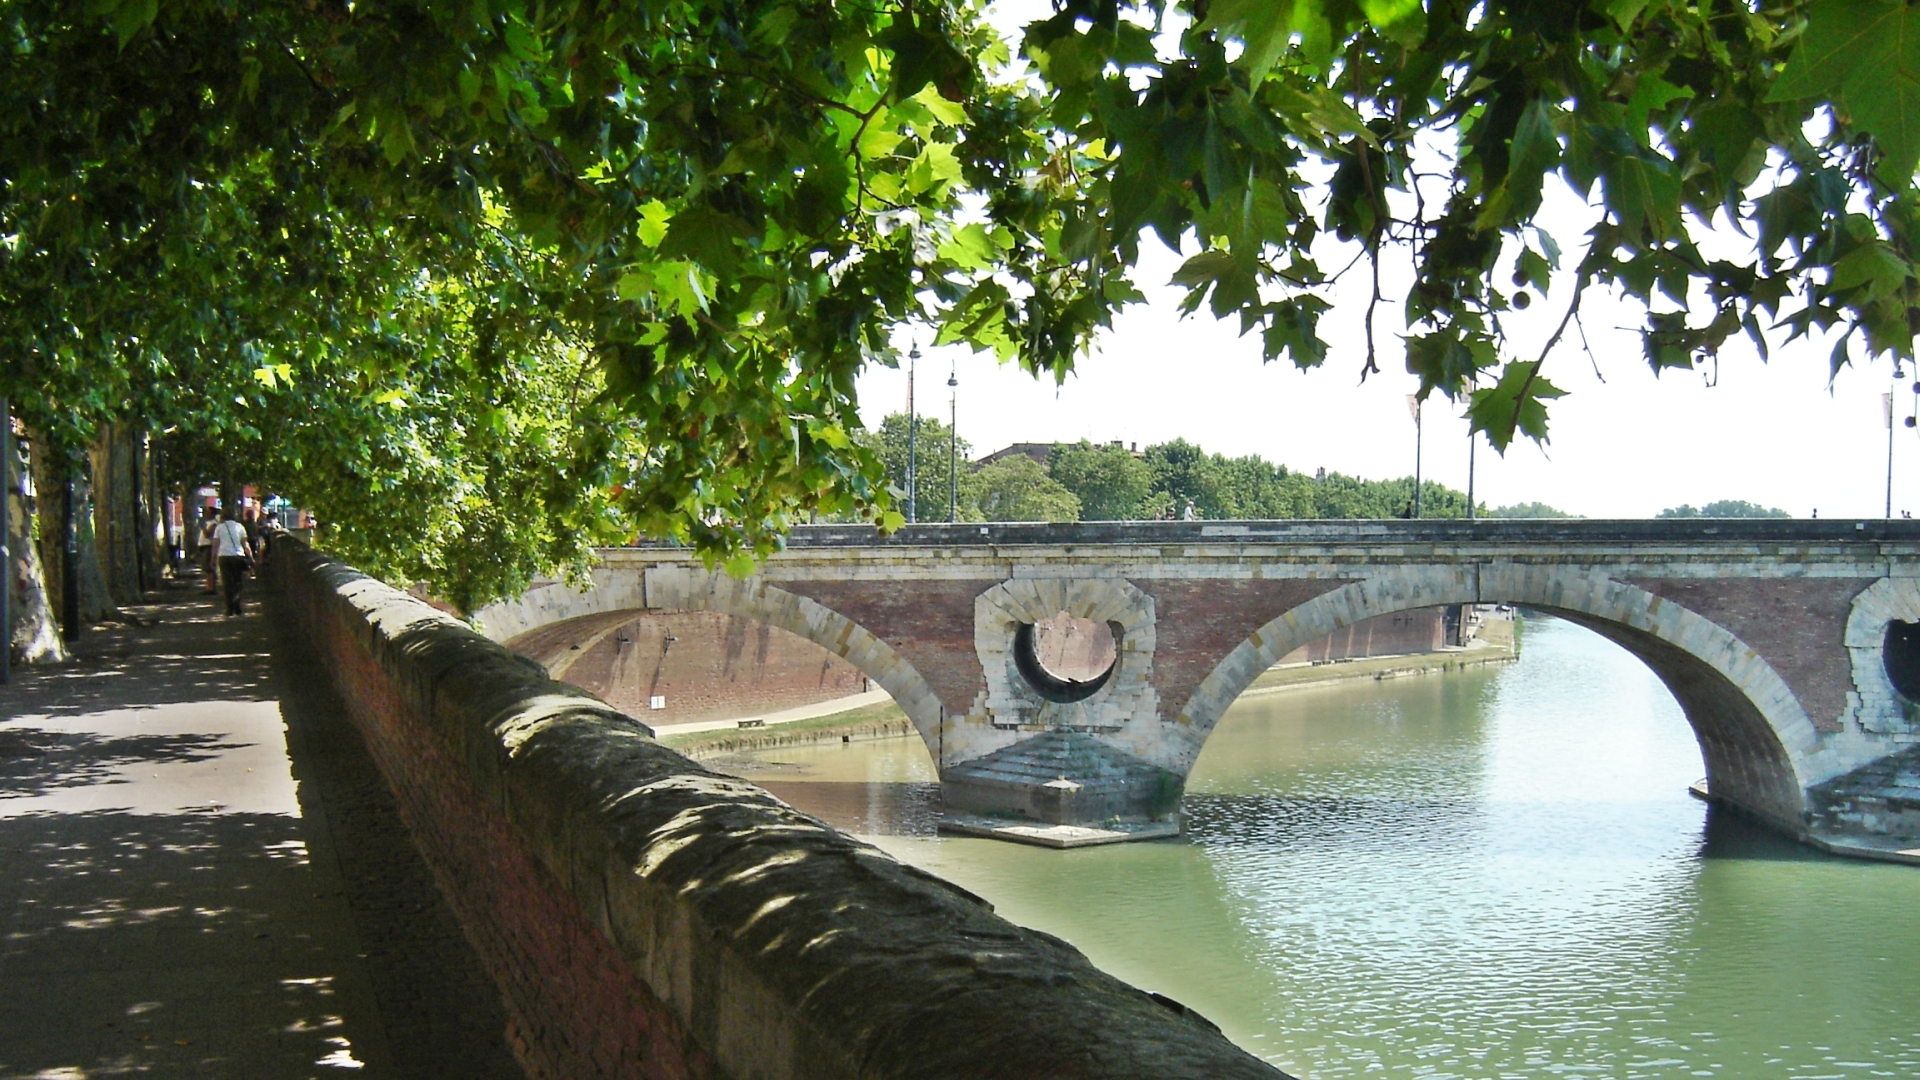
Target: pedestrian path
x=202 y=875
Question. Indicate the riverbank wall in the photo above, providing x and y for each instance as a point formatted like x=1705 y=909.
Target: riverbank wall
x=645 y=917
x=1498 y=644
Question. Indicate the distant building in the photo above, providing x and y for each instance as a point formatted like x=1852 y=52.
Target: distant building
x=1038 y=451
x=1041 y=451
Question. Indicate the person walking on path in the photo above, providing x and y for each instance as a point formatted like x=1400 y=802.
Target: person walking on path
x=203 y=549
x=234 y=556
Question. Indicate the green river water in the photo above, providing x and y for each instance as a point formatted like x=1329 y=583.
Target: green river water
x=1476 y=875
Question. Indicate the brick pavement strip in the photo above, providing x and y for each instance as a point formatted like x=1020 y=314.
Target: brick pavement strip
x=202 y=875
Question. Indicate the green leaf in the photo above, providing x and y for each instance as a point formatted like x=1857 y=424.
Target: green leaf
x=1534 y=269
x=1724 y=134
x=133 y=16
x=1864 y=56
x=950 y=113
x=1264 y=28
x=1624 y=12
x=1447 y=360
x=1293 y=328
x=974 y=247
x=1534 y=150
x=1874 y=265
x=652 y=226
x=1402 y=21
x=706 y=235
x=1651 y=95
x=1203 y=269
x=924 y=56
x=1516 y=404
x=935 y=167
x=1644 y=196
x=776 y=24
x=1840 y=35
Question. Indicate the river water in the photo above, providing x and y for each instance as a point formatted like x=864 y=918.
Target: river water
x=1475 y=875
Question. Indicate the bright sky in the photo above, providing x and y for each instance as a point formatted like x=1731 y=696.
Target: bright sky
x=1773 y=433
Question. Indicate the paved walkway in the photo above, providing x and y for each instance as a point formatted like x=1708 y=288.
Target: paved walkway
x=202 y=874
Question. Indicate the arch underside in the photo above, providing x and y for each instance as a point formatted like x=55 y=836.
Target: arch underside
x=1746 y=763
x=614 y=599
x=1748 y=723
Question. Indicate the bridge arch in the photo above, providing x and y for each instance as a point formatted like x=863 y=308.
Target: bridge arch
x=1753 y=732
x=617 y=594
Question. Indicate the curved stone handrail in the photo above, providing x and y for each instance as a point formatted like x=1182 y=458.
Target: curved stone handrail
x=646 y=917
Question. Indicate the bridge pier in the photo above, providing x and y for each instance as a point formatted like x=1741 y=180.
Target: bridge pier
x=1063 y=789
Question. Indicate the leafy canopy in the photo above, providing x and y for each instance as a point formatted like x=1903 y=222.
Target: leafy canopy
x=560 y=272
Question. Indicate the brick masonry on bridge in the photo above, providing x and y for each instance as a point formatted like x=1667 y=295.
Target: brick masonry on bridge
x=1760 y=628
x=1793 y=623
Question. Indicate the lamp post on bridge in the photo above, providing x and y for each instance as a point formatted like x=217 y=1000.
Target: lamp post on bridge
x=953 y=440
x=1898 y=374
x=1473 y=443
x=1413 y=406
x=913 y=425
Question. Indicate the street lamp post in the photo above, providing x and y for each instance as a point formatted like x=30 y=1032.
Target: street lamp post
x=1413 y=406
x=1473 y=443
x=953 y=441
x=1897 y=376
x=913 y=426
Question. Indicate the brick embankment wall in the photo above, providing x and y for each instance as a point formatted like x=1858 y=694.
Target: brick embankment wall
x=646 y=917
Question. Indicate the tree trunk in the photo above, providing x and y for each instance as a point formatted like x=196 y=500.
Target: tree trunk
x=96 y=598
x=115 y=527
x=152 y=512
x=36 y=633
x=49 y=474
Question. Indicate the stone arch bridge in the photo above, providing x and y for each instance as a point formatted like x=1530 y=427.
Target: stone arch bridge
x=1783 y=641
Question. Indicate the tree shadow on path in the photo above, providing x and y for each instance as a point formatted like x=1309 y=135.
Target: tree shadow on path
x=296 y=936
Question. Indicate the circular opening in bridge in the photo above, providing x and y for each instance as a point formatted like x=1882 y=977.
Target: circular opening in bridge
x=1901 y=654
x=1065 y=658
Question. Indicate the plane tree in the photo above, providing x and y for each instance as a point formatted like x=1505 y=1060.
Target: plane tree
x=600 y=269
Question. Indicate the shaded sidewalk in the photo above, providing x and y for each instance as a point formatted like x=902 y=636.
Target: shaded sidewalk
x=203 y=875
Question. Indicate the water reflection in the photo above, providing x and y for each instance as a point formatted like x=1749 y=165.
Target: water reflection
x=1477 y=875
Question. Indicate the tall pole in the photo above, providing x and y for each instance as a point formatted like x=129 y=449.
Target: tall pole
x=1897 y=375
x=6 y=544
x=913 y=429
x=953 y=442
x=1472 y=444
x=1417 y=431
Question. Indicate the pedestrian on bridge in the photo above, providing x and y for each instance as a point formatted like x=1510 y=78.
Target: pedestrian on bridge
x=234 y=555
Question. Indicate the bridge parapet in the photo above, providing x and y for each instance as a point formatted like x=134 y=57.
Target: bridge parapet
x=1769 y=632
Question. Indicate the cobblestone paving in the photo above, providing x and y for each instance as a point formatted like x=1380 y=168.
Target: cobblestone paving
x=202 y=874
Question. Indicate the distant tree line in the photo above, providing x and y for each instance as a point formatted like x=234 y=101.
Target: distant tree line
x=1725 y=508
x=1086 y=481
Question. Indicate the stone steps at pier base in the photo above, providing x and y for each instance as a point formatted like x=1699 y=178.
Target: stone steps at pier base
x=1064 y=778
x=1879 y=800
x=1056 y=836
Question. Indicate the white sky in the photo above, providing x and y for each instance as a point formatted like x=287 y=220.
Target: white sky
x=1773 y=433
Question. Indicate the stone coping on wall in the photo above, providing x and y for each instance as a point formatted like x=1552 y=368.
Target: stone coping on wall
x=1422 y=531
x=747 y=939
